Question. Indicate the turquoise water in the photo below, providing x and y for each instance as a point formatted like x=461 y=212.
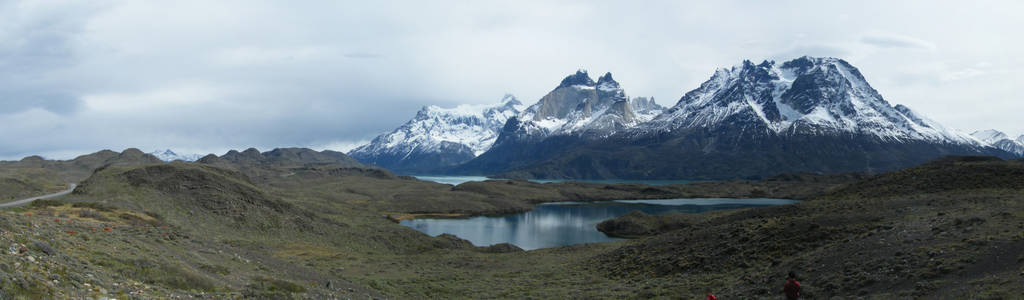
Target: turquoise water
x=568 y=223
x=456 y=180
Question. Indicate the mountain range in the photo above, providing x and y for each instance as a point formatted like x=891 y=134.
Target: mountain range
x=1002 y=141
x=438 y=139
x=808 y=114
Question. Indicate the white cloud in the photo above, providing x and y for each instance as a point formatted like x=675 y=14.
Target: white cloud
x=340 y=146
x=896 y=41
x=213 y=76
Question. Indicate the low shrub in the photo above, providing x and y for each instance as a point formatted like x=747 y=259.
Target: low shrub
x=92 y=205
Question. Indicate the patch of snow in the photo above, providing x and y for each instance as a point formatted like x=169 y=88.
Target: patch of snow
x=168 y=155
x=857 y=107
x=787 y=112
x=474 y=125
x=990 y=136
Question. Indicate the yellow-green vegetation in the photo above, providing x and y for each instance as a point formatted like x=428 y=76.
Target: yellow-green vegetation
x=252 y=227
x=17 y=183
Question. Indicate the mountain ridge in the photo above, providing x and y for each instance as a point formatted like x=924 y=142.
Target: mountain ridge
x=438 y=137
x=760 y=114
x=748 y=121
x=1000 y=140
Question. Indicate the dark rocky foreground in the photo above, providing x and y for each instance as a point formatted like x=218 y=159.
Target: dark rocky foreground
x=950 y=228
x=298 y=224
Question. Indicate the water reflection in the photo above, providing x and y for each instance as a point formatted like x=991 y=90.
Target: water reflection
x=567 y=223
x=456 y=180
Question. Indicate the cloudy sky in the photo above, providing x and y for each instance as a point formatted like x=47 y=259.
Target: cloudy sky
x=208 y=76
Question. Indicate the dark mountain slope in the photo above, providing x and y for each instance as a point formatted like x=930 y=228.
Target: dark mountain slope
x=711 y=154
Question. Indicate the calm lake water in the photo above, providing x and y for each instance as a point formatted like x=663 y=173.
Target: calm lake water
x=456 y=180
x=567 y=223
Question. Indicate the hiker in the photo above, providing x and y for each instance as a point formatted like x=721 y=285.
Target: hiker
x=711 y=296
x=792 y=287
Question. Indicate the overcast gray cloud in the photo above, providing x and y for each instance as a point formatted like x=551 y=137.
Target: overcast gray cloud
x=207 y=76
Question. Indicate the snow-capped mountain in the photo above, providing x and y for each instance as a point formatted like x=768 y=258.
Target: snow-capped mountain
x=751 y=120
x=990 y=135
x=443 y=137
x=437 y=137
x=1001 y=141
x=579 y=110
x=815 y=96
x=169 y=156
x=580 y=106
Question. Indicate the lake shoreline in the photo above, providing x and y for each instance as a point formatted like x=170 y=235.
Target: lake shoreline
x=557 y=224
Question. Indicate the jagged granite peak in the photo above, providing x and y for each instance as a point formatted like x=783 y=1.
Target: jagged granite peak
x=580 y=78
x=749 y=121
x=608 y=88
x=568 y=116
x=592 y=110
x=807 y=95
x=438 y=137
x=645 y=108
x=607 y=83
x=568 y=97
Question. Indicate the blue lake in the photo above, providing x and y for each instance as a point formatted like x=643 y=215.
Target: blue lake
x=567 y=223
x=456 y=180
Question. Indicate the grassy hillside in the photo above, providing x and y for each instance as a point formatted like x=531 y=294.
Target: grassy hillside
x=309 y=229
x=21 y=183
x=950 y=228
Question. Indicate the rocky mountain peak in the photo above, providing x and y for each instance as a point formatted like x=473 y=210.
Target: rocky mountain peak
x=607 y=79
x=580 y=78
x=169 y=155
x=439 y=137
x=510 y=100
x=1000 y=140
x=990 y=135
x=807 y=95
x=645 y=103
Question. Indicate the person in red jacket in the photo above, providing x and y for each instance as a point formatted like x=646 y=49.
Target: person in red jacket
x=792 y=287
x=711 y=296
